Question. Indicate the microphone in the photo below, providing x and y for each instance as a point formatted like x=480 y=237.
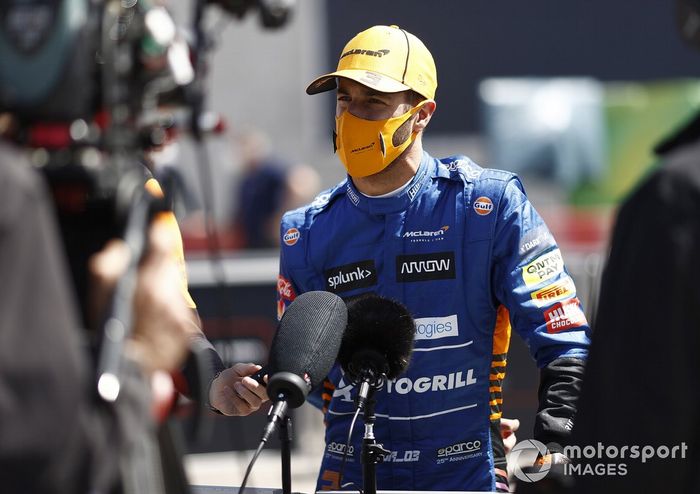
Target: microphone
x=303 y=351
x=377 y=343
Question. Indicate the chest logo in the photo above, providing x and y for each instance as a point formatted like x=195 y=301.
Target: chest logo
x=483 y=206
x=425 y=267
x=351 y=276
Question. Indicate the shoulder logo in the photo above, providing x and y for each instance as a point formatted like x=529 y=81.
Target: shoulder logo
x=483 y=206
x=543 y=268
x=556 y=291
x=564 y=316
x=291 y=236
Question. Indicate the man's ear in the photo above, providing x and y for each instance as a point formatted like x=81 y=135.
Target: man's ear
x=424 y=115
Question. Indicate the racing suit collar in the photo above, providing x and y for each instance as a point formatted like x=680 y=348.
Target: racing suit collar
x=400 y=202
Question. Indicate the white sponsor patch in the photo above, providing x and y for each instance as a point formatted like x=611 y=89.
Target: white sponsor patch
x=434 y=328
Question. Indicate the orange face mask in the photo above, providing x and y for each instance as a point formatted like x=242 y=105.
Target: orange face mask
x=366 y=147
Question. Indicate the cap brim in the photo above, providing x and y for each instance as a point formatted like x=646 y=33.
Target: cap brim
x=373 y=80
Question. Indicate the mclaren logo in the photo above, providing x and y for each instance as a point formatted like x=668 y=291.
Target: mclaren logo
x=426 y=235
x=425 y=267
x=360 y=51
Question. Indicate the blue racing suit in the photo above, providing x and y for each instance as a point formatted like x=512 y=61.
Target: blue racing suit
x=464 y=250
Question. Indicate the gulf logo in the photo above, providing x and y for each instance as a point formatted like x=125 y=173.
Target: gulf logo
x=291 y=236
x=483 y=206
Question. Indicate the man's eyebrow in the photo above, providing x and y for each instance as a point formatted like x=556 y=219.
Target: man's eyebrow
x=373 y=92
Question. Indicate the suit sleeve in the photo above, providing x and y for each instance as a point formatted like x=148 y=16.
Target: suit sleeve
x=530 y=279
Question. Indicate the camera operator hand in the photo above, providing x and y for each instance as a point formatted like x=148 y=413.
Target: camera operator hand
x=163 y=323
x=232 y=392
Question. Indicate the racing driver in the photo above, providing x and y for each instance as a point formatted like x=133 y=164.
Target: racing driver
x=462 y=248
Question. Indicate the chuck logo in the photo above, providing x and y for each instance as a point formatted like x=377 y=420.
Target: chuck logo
x=425 y=267
x=564 y=315
x=350 y=276
x=434 y=328
x=543 y=268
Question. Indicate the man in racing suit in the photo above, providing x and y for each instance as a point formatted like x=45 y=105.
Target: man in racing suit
x=462 y=248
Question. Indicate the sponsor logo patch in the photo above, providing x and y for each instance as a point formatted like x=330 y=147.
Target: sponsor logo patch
x=350 y=276
x=434 y=328
x=564 y=315
x=291 y=236
x=414 y=190
x=459 y=451
x=339 y=449
x=425 y=267
x=354 y=198
x=543 y=268
x=285 y=295
x=483 y=206
x=556 y=291
x=442 y=382
x=426 y=235
x=536 y=240
x=459 y=448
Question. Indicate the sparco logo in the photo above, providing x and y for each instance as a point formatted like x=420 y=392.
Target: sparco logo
x=350 y=276
x=425 y=267
x=339 y=449
x=459 y=448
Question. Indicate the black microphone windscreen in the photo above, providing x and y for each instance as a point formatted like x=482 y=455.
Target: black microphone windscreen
x=378 y=325
x=309 y=336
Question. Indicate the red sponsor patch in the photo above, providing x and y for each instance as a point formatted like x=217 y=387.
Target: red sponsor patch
x=284 y=289
x=291 y=236
x=564 y=315
x=285 y=295
x=483 y=206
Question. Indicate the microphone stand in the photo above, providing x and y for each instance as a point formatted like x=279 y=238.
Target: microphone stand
x=373 y=453
x=286 y=434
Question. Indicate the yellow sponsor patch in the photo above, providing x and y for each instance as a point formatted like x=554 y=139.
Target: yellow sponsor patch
x=543 y=268
x=556 y=291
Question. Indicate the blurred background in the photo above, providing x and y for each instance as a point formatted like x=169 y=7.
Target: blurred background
x=572 y=96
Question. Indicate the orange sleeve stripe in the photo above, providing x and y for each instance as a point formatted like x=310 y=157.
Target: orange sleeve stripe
x=494 y=377
x=178 y=252
x=495 y=416
x=501 y=331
